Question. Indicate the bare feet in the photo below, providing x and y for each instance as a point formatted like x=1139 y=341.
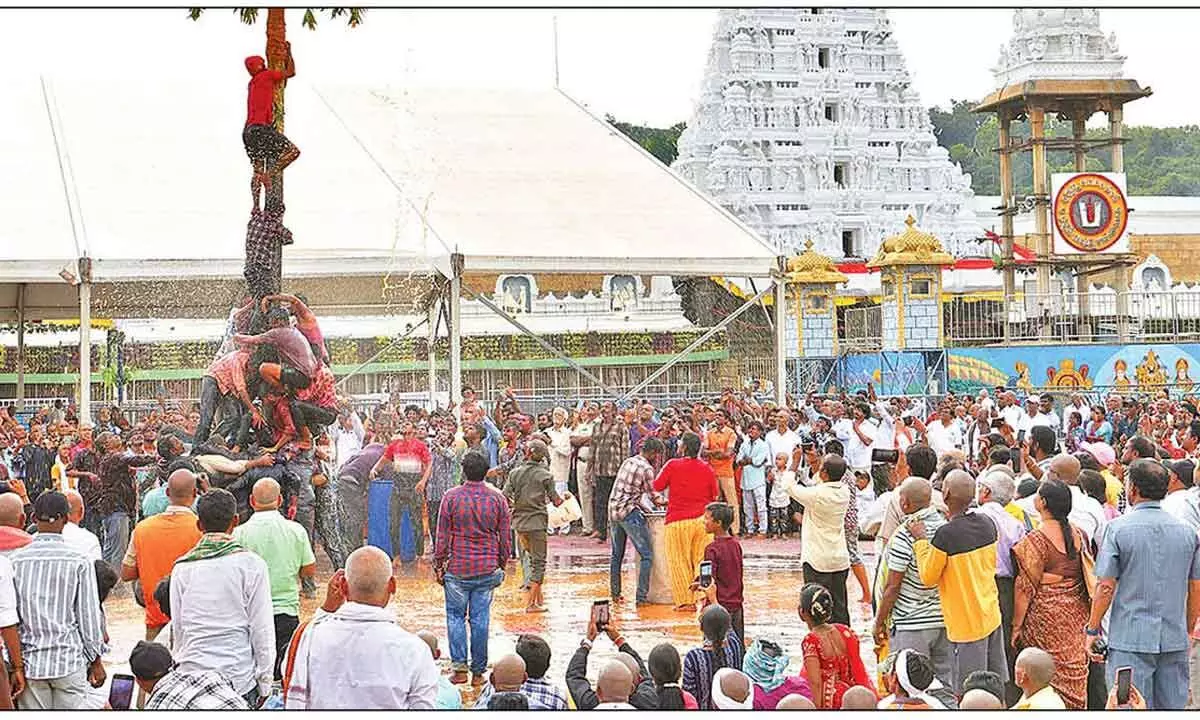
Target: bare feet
x=535 y=609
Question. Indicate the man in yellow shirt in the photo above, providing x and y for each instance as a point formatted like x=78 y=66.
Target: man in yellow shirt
x=1035 y=669
x=960 y=561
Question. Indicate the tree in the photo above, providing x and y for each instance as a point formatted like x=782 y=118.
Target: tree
x=659 y=142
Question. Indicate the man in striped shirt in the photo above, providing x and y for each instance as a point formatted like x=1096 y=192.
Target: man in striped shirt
x=59 y=607
x=916 y=611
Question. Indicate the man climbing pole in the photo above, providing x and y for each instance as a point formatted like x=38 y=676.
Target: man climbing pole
x=269 y=150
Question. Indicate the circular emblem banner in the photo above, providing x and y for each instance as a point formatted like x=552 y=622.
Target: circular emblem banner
x=1090 y=212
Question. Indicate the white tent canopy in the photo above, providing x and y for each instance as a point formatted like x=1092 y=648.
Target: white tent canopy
x=146 y=176
x=149 y=179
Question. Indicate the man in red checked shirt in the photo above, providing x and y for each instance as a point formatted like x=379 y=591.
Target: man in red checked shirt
x=270 y=152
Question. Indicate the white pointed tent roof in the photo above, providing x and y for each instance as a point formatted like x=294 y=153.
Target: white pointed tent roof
x=149 y=179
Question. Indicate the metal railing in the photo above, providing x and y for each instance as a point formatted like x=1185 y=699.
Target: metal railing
x=1100 y=316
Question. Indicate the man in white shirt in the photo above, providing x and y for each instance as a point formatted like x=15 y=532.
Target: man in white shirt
x=782 y=439
x=82 y=539
x=943 y=434
x=348 y=437
x=221 y=604
x=1086 y=513
x=1012 y=413
x=857 y=436
x=984 y=401
x=1077 y=405
x=823 y=551
x=359 y=658
x=1045 y=413
x=8 y=633
x=1183 y=500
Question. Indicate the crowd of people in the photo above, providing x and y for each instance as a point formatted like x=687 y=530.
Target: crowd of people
x=1036 y=553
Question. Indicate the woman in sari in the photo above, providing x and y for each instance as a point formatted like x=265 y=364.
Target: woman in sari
x=832 y=663
x=1051 y=603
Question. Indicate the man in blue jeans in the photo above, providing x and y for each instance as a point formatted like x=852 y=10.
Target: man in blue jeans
x=473 y=546
x=1148 y=570
x=628 y=519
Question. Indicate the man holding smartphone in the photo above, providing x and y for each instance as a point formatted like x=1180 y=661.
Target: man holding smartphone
x=1148 y=573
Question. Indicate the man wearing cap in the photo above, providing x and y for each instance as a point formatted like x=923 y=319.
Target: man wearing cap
x=1183 y=500
x=59 y=606
x=168 y=688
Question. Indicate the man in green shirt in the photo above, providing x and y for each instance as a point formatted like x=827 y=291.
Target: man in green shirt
x=284 y=545
x=529 y=487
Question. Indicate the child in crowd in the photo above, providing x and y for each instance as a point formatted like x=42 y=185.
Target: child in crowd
x=778 y=522
x=725 y=554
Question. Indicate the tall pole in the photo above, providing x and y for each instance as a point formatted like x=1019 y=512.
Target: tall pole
x=554 y=26
x=455 y=329
x=1007 y=208
x=1078 y=127
x=781 y=315
x=1116 y=133
x=85 y=351
x=21 y=346
x=1037 y=136
x=434 y=308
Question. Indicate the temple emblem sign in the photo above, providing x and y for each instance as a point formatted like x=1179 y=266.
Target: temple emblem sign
x=1090 y=213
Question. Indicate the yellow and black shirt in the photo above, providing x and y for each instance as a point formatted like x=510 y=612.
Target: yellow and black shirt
x=961 y=563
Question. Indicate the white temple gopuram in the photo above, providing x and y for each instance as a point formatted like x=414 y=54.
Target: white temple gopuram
x=807 y=127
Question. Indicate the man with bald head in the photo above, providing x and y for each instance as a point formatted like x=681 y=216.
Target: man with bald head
x=1086 y=512
x=157 y=542
x=284 y=545
x=359 y=658
x=980 y=700
x=508 y=675
x=910 y=608
x=859 y=697
x=1035 y=670
x=12 y=523
x=732 y=690
x=82 y=539
x=614 y=686
x=795 y=702
x=960 y=561
x=528 y=488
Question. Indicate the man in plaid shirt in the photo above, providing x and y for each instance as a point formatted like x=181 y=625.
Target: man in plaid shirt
x=610 y=447
x=634 y=483
x=168 y=689
x=474 y=543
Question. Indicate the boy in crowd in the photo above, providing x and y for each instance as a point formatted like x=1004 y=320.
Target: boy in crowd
x=725 y=554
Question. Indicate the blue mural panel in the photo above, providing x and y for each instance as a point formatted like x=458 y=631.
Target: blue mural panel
x=1035 y=368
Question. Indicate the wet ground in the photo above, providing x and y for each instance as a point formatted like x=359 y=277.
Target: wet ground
x=576 y=574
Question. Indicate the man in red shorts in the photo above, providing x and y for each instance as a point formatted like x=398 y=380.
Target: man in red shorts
x=269 y=151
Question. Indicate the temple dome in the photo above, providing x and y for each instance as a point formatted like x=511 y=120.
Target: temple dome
x=911 y=247
x=812 y=268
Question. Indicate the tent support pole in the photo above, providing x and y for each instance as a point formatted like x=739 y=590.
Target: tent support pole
x=85 y=351
x=698 y=342
x=21 y=347
x=536 y=338
x=433 y=323
x=781 y=318
x=455 y=329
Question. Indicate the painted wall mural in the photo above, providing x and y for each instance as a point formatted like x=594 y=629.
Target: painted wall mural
x=1127 y=368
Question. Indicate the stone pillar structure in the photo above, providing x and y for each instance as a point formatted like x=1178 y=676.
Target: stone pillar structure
x=911 y=289
x=810 y=325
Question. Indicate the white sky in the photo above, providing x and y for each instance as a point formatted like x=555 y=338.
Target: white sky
x=639 y=65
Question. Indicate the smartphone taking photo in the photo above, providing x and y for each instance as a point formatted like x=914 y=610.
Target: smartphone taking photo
x=120 y=692
x=706 y=576
x=601 y=614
